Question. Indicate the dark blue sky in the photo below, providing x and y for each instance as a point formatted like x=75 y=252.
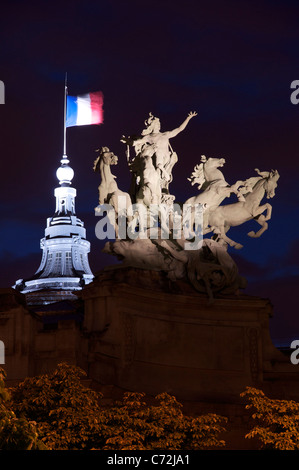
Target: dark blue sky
x=232 y=62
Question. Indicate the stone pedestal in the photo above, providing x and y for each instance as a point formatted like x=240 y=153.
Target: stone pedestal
x=145 y=333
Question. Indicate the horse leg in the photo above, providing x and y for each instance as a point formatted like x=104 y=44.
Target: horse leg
x=112 y=217
x=262 y=221
x=260 y=209
x=222 y=235
x=268 y=208
x=188 y=221
x=234 y=188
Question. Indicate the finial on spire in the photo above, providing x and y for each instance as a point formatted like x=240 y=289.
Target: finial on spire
x=65 y=173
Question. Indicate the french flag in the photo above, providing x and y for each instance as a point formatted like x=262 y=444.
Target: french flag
x=84 y=110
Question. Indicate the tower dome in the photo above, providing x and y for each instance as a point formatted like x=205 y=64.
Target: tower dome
x=64 y=268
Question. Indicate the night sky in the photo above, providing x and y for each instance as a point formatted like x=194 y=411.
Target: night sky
x=230 y=61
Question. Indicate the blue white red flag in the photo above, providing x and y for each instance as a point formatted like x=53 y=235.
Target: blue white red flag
x=85 y=109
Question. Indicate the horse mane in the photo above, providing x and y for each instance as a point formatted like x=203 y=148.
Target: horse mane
x=197 y=176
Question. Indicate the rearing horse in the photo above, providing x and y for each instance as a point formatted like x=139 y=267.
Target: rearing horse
x=231 y=215
x=214 y=188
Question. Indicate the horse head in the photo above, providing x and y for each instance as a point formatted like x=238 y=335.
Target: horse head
x=207 y=171
x=212 y=162
x=271 y=183
x=107 y=157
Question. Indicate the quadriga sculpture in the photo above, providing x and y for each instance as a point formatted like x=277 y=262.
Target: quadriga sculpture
x=206 y=265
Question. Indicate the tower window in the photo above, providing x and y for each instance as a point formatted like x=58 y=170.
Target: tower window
x=57 y=265
x=68 y=261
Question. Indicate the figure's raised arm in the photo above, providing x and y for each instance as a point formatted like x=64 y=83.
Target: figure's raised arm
x=132 y=141
x=126 y=140
x=182 y=126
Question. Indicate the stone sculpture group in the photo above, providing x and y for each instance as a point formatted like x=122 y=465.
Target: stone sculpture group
x=148 y=205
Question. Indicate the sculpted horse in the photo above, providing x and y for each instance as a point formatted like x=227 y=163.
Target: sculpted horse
x=231 y=215
x=213 y=185
x=207 y=176
x=108 y=188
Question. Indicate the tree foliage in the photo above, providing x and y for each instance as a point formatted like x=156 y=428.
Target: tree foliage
x=56 y=411
x=66 y=412
x=70 y=416
x=132 y=424
x=16 y=433
x=277 y=420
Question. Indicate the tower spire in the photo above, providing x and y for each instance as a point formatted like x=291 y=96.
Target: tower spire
x=64 y=119
x=65 y=173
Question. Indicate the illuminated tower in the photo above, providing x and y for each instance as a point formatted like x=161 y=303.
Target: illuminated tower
x=64 y=267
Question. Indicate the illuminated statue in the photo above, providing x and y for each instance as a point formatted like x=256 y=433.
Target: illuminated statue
x=161 y=235
x=164 y=158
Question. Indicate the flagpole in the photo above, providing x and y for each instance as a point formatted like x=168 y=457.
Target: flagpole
x=64 y=123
